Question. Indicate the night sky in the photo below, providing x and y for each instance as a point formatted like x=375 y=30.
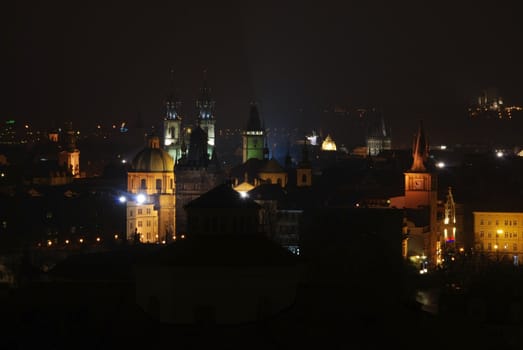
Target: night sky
x=110 y=61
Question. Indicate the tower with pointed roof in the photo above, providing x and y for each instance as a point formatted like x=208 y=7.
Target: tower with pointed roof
x=172 y=125
x=253 y=137
x=421 y=188
x=205 y=119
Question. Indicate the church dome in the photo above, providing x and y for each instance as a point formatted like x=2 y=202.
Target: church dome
x=152 y=158
x=328 y=144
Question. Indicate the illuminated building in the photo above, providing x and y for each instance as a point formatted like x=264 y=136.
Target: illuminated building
x=420 y=202
x=499 y=235
x=150 y=182
x=69 y=157
x=491 y=106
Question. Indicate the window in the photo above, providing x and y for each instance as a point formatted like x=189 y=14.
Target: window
x=481 y=222
x=130 y=213
x=488 y=234
x=139 y=224
x=143 y=184
x=515 y=247
x=148 y=211
x=489 y=247
x=481 y=234
x=139 y=211
x=158 y=184
x=515 y=222
x=303 y=178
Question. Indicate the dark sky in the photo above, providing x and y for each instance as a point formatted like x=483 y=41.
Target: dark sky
x=110 y=61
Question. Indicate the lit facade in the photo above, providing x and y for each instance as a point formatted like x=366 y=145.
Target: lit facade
x=151 y=186
x=499 y=235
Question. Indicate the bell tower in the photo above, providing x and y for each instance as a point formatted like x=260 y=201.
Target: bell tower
x=421 y=191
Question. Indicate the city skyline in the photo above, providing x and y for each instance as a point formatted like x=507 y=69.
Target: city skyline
x=413 y=62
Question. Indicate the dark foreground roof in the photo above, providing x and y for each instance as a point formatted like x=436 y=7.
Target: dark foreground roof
x=223 y=250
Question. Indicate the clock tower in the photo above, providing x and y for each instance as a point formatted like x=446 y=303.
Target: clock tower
x=420 y=184
x=421 y=192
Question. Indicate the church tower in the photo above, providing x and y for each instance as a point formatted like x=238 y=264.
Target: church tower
x=172 y=125
x=69 y=157
x=421 y=188
x=378 y=137
x=253 y=137
x=205 y=119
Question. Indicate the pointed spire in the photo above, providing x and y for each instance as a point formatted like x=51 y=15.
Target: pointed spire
x=420 y=150
x=172 y=104
x=254 y=122
x=205 y=104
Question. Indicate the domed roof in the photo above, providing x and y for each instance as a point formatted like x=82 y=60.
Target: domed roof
x=272 y=166
x=152 y=158
x=328 y=144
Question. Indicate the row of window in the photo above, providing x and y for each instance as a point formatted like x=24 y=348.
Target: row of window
x=143 y=184
x=506 y=234
x=507 y=222
x=140 y=212
x=140 y=224
x=490 y=247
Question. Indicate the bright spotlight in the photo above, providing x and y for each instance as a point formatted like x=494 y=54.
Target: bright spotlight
x=122 y=199
x=140 y=198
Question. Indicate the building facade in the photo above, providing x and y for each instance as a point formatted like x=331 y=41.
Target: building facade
x=151 y=188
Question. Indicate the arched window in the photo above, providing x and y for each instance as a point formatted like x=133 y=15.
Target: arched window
x=158 y=184
x=303 y=178
x=143 y=185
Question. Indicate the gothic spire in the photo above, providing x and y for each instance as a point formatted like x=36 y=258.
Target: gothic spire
x=205 y=104
x=420 y=150
x=172 y=104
